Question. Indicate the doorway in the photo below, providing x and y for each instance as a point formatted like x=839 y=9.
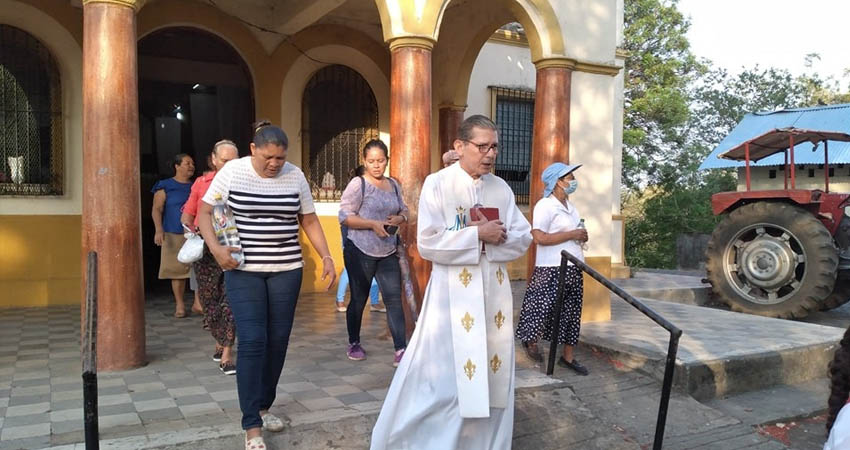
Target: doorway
x=194 y=89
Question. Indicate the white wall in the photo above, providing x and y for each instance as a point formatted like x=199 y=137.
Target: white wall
x=595 y=134
x=590 y=28
x=592 y=145
x=759 y=178
x=498 y=65
x=69 y=58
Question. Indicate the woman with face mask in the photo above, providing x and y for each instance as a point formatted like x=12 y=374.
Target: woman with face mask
x=557 y=226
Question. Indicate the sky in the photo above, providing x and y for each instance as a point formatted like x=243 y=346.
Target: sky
x=771 y=33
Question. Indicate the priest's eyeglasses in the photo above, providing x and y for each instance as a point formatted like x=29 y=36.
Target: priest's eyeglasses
x=484 y=148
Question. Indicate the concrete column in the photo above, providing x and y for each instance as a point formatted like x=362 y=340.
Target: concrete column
x=551 y=138
x=450 y=118
x=111 y=217
x=410 y=135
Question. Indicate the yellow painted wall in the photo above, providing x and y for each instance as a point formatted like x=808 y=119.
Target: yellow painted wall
x=597 y=298
x=313 y=261
x=40 y=264
x=42 y=267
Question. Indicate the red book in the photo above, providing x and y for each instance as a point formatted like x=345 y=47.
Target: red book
x=487 y=212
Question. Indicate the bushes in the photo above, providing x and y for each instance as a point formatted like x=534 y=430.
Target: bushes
x=657 y=215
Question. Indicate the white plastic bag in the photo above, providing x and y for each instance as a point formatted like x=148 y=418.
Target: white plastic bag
x=193 y=249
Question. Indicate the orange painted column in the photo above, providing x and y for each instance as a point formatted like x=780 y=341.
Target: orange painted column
x=111 y=216
x=451 y=117
x=410 y=136
x=551 y=139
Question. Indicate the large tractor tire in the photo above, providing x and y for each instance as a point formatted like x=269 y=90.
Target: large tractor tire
x=840 y=292
x=772 y=259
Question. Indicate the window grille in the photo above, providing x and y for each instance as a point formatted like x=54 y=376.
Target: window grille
x=31 y=148
x=514 y=116
x=339 y=115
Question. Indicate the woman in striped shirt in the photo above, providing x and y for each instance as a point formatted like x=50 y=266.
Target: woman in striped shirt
x=269 y=198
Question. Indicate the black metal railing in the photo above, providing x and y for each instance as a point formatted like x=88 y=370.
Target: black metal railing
x=672 y=348
x=339 y=115
x=90 y=357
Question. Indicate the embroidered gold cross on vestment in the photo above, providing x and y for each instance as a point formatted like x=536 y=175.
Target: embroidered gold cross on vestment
x=469 y=369
x=467 y=321
x=495 y=363
x=465 y=277
x=500 y=319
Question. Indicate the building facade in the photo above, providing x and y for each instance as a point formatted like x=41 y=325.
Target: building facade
x=112 y=88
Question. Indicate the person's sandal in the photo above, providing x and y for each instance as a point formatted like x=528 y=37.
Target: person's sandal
x=532 y=351
x=179 y=314
x=574 y=365
x=227 y=368
x=272 y=423
x=255 y=443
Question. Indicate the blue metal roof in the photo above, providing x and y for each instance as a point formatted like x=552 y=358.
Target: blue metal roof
x=822 y=118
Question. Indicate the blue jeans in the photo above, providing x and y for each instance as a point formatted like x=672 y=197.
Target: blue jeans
x=362 y=270
x=343 y=285
x=263 y=305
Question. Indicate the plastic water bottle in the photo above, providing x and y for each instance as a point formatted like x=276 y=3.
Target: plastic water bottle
x=581 y=226
x=225 y=228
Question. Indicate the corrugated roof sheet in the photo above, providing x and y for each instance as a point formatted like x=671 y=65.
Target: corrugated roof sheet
x=825 y=118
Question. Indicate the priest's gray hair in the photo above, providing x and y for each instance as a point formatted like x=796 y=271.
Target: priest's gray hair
x=464 y=133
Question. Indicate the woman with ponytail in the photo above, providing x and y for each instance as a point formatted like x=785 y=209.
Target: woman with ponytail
x=271 y=203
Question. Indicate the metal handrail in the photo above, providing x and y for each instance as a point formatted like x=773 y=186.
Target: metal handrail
x=672 y=348
x=90 y=357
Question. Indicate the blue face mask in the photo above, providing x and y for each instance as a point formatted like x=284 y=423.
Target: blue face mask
x=571 y=187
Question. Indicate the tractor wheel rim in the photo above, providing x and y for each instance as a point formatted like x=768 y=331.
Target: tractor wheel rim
x=765 y=264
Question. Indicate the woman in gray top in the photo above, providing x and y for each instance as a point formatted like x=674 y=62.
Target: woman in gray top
x=372 y=208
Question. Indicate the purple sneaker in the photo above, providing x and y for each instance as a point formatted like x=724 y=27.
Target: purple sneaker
x=356 y=352
x=398 y=355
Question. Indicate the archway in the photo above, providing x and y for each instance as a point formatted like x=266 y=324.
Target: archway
x=339 y=115
x=194 y=89
x=31 y=156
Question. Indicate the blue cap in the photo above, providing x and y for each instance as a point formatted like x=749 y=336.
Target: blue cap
x=553 y=173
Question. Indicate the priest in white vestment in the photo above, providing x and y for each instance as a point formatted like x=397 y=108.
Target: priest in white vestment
x=454 y=388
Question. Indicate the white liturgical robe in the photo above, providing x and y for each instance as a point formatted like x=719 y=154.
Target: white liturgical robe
x=454 y=388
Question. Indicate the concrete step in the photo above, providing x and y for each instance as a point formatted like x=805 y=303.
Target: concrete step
x=686 y=288
x=720 y=353
x=784 y=402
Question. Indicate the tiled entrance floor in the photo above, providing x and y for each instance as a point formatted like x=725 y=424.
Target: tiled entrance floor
x=181 y=387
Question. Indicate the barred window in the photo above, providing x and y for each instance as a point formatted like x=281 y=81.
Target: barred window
x=514 y=116
x=339 y=115
x=31 y=148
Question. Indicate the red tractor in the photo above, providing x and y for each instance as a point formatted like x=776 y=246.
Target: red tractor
x=783 y=252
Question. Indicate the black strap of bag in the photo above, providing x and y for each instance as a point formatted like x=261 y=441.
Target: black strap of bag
x=395 y=189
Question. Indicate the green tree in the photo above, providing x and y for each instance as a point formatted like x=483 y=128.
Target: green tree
x=677 y=109
x=658 y=69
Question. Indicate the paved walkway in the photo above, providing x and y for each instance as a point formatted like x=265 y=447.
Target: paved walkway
x=181 y=399
x=181 y=389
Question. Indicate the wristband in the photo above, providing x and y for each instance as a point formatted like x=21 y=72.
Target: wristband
x=329 y=256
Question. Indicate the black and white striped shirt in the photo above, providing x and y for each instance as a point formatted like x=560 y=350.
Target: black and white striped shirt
x=266 y=212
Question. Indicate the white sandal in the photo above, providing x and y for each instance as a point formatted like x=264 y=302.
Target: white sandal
x=255 y=443
x=272 y=423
